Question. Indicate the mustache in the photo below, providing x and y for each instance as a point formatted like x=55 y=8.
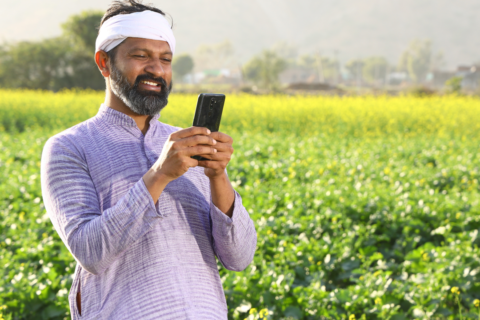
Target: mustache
x=146 y=77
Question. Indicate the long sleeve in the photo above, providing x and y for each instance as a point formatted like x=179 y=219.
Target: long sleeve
x=93 y=237
x=235 y=239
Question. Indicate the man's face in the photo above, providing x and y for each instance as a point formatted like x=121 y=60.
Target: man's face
x=141 y=74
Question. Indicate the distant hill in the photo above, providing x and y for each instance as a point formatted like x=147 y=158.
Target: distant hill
x=353 y=28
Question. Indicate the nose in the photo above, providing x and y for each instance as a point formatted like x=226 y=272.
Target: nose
x=155 y=68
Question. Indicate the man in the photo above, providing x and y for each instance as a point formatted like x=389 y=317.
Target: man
x=141 y=217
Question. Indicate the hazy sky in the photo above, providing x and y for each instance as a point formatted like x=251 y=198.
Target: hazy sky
x=353 y=28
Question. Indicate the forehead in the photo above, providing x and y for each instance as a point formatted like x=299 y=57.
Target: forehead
x=156 y=46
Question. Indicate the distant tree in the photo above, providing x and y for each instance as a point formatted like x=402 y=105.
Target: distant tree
x=265 y=69
x=326 y=68
x=330 y=69
x=417 y=59
x=403 y=62
x=375 y=69
x=454 y=85
x=82 y=29
x=286 y=51
x=216 y=56
x=85 y=73
x=314 y=63
x=182 y=65
x=355 y=68
x=308 y=61
x=56 y=63
x=36 y=65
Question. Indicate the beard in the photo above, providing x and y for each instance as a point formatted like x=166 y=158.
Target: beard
x=147 y=103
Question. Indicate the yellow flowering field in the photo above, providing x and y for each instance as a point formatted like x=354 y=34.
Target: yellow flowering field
x=311 y=115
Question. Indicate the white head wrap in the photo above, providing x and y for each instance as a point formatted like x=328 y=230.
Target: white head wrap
x=146 y=24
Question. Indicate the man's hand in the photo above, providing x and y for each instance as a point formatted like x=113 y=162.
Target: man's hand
x=223 y=195
x=176 y=159
x=218 y=161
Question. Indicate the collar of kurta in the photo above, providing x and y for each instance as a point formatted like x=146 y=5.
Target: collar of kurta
x=120 y=118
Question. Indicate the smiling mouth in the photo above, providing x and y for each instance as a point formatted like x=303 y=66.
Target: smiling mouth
x=149 y=83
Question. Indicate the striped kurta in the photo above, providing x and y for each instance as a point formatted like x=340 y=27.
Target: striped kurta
x=136 y=259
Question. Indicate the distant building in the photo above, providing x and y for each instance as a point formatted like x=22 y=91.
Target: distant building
x=470 y=77
x=215 y=76
x=397 y=78
x=439 y=78
x=297 y=75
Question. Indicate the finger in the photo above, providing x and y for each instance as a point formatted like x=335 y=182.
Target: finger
x=191 y=163
x=221 y=137
x=192 y=131
x=224 y=147
x=211 y=164
x=196 y=140
x=198 y=150
x=217 y=156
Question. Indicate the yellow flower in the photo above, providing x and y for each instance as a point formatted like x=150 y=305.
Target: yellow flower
x=378 y=301
x=455 y=290
x=263 y=313
x=351 y=317
x=476 y=303
x=253 y=311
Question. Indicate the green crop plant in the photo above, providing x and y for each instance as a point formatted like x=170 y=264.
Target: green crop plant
x=365 y=207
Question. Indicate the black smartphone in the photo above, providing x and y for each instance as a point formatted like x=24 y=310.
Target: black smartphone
x=208 y=113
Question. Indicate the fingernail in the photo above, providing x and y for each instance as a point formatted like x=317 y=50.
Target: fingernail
x=214 y=141
x=214 y=150
x=208 y=131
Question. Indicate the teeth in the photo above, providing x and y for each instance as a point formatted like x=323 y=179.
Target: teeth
x=150 y=83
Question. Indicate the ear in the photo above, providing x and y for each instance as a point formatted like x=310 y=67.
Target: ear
x=101 y=59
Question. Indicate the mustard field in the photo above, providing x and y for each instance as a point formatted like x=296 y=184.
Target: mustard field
x=313 y=116
x=365 y=207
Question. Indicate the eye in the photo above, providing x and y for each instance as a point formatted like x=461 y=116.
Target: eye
x=139 y=56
